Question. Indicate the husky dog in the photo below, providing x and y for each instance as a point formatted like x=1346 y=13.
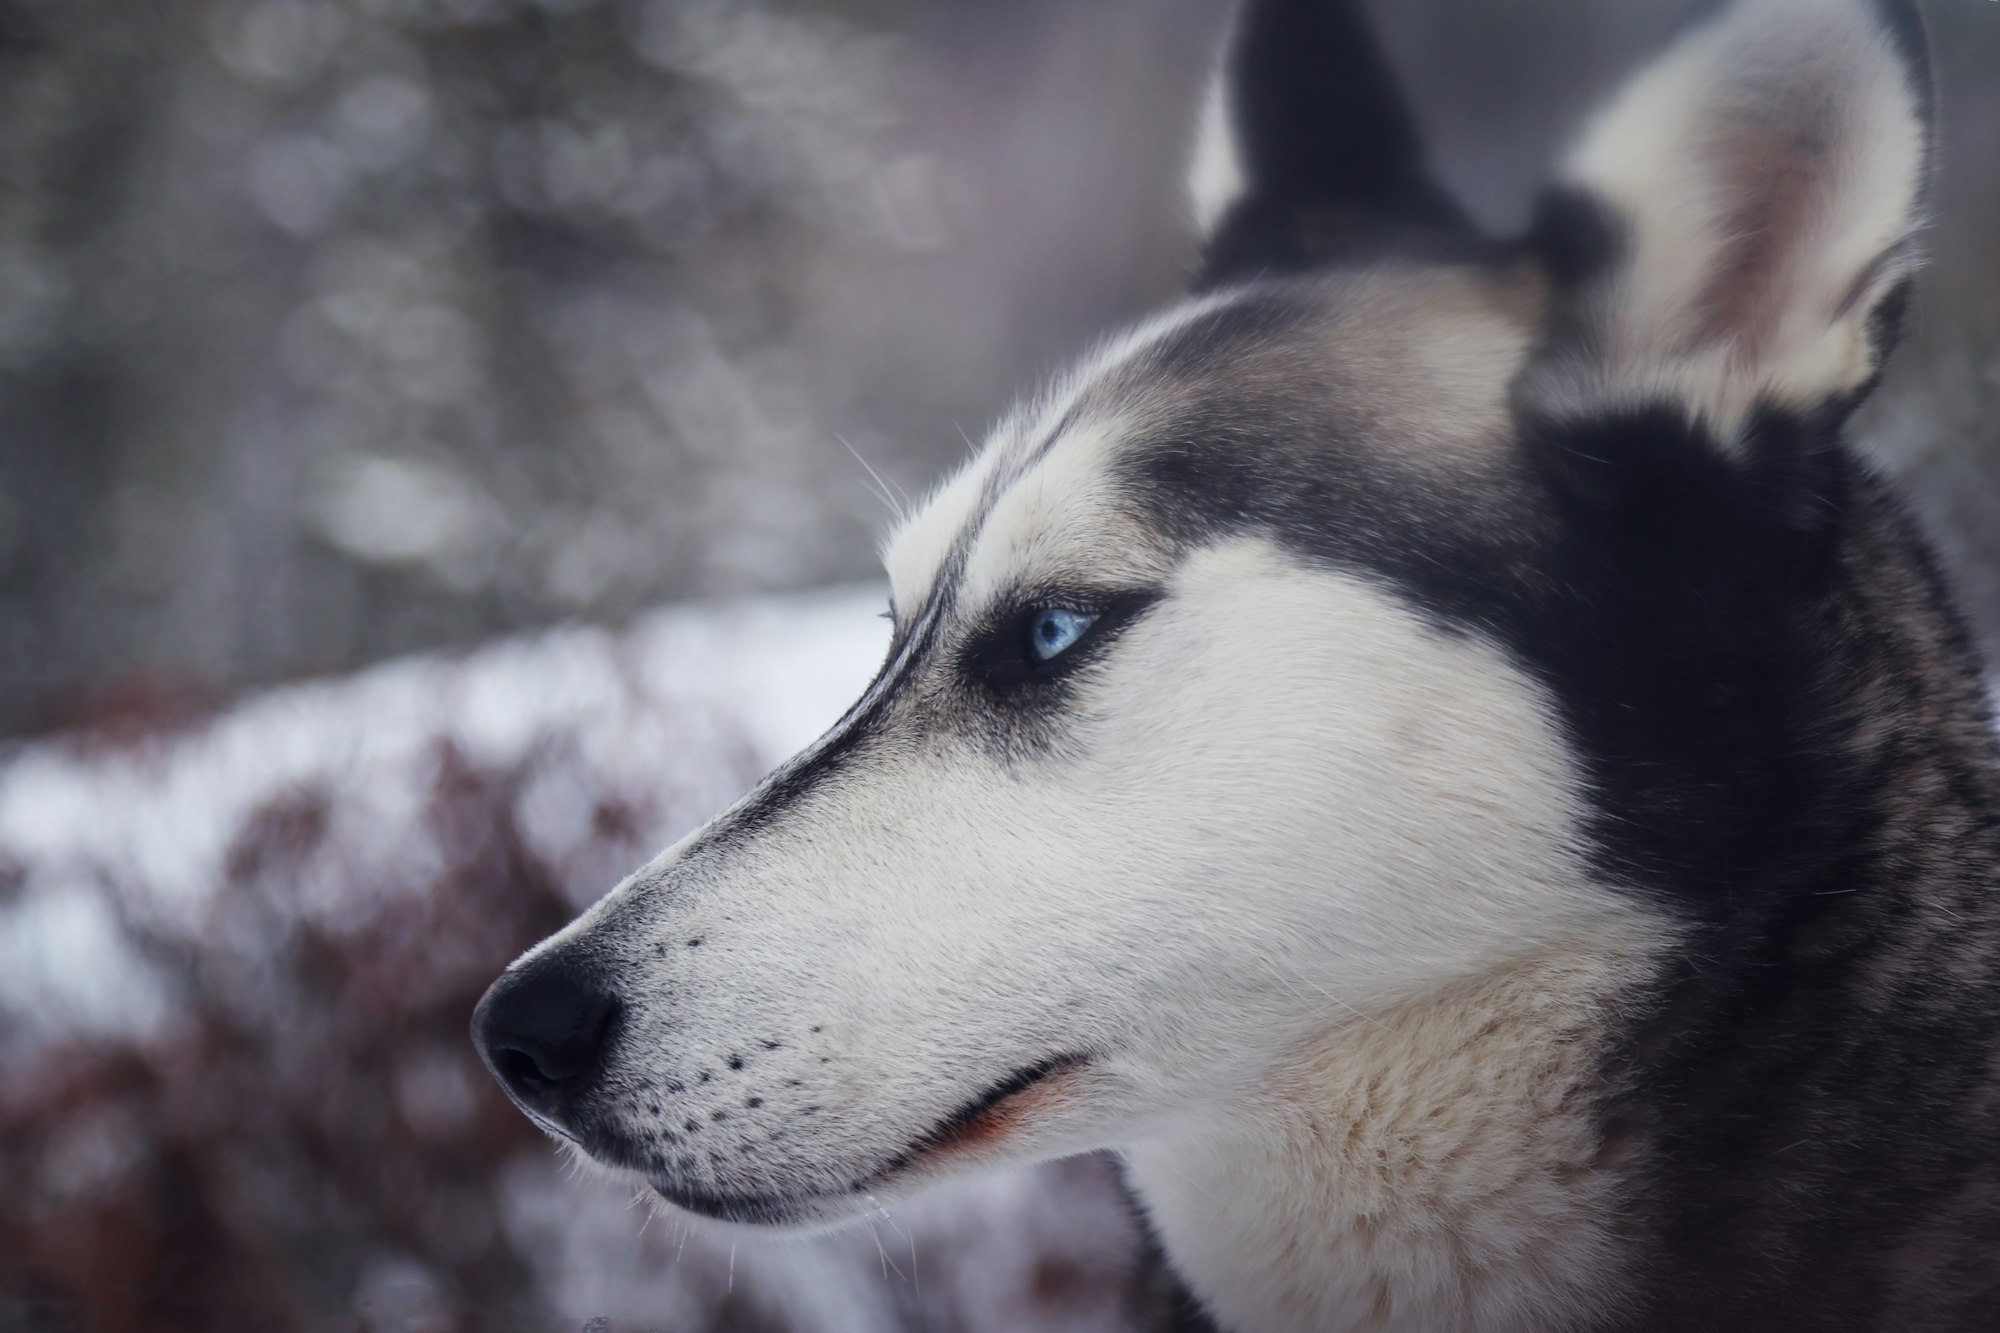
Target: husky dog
x=1436 y=750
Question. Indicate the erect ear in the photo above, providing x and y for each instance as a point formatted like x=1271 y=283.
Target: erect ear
x=1307 y=153
x=1735 y=232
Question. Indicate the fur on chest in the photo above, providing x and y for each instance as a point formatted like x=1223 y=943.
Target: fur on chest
x=1439 y=1166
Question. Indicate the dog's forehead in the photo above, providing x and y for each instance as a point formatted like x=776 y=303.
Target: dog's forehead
x=1391 y=366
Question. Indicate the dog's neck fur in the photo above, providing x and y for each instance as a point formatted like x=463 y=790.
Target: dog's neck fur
x=1438 y=1166
x=1826 y=1037
x=1488 y=1158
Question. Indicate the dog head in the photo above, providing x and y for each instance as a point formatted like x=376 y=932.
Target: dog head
x=1403 y=604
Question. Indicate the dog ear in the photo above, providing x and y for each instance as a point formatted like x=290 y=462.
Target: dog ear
x=1306 y=153
x=1732 y=239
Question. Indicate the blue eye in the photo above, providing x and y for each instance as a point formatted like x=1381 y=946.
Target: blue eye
x=1053 y=630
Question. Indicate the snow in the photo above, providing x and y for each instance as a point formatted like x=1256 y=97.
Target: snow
x=687 y=705
x=160 y=815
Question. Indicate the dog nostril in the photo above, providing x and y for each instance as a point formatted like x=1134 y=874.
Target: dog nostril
x=543 y=1030
x=518 y=1068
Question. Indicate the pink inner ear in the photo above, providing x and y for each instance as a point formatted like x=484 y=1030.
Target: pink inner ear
x=1777 y=160
x=1760 y=167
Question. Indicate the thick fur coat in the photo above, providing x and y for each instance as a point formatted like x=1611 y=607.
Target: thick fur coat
x=1436 y=750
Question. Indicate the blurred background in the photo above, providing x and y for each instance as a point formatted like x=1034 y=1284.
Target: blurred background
x=530 y=349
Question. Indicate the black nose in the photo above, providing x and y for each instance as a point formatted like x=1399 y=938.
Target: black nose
x=542 y=1029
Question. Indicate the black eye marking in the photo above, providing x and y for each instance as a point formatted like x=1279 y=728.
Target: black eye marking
x=1043 y=636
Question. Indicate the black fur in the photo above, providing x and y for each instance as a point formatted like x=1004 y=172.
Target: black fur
x=1333 y=165
x=1783 y=736
x=1012 y=704
x=1784 y=741
x=1787 y=747
x=1759 y=665
x=1156 y=1300
x=793 y=783
x=1576 y=239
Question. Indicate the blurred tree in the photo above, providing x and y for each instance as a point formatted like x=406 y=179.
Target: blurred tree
x=333 y=328
x=347 y=327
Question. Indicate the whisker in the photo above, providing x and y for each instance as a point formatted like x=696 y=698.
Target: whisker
x=1287 y=982
x=916 y=1278
x=899 y=511
x=888 y=1264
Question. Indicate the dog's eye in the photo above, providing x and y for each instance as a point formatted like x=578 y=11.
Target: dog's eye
x=1052 y=630
x=1035 y=645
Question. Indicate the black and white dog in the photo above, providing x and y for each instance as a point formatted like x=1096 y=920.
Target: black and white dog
x=1436 y=750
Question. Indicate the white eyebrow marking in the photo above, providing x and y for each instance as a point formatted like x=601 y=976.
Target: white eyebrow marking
x=951 y=519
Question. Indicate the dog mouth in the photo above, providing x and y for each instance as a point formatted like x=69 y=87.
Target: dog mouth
x=977 y=1126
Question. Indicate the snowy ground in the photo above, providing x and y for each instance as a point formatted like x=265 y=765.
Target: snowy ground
x=680 y=711
x=691 y=702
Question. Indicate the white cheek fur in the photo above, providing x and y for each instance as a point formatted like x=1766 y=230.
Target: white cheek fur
x=1292 y=813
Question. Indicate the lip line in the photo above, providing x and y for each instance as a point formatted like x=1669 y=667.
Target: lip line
x=1013 y=1085
x=774 y=1207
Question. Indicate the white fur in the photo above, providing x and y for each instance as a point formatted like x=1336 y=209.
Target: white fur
x=1787 y=123
x=916 y=551
x=1215 y=178
x=1430 y=1167
x=1300 y=874
x=1285 y=815
x=1414 y=1152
